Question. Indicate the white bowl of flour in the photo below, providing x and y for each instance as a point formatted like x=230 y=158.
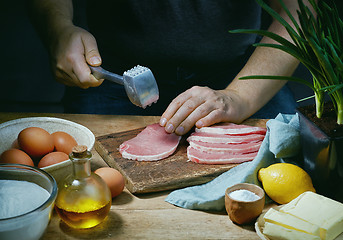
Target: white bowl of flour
x=27 y=197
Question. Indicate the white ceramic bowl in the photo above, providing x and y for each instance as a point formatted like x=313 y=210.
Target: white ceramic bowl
x=32 y=222
x=9 y=132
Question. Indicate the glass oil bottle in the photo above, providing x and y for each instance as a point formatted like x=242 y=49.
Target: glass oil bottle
x=84 y=199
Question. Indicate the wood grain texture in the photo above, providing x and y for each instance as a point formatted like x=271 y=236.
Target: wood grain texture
x=166 y=174
x=140 y=216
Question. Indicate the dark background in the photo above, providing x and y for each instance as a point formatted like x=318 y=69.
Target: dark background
x=27 y=84
x=26 y=81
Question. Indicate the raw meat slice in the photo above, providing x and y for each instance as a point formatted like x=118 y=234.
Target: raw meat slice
x=226 y=148
x=152 y=144
x=222 y=138
x=225 y=143
x=232 y=129
x=217 y=158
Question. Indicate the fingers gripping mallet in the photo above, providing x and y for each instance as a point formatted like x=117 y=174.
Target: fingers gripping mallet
x=139 y=83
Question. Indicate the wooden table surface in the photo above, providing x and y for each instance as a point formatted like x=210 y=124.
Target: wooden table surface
x=145 y=216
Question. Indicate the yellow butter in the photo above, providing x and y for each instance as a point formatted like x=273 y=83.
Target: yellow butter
x=277 y=232
x=288 y=221
x=318 y=210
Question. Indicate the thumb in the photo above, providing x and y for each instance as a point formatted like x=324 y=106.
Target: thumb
x=91 y=51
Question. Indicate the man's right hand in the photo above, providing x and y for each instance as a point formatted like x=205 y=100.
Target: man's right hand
x=71 y=53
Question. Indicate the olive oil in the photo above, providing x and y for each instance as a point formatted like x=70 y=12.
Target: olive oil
x=83 y=219
x=84 y=199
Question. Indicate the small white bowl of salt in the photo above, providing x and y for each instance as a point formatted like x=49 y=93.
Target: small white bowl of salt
x=244 y=202
x=27 y=197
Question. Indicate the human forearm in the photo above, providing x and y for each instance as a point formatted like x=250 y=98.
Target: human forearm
x=255 y=93
x=266 y=61
x=71 y=48
x=50 y=18
x=201 y=106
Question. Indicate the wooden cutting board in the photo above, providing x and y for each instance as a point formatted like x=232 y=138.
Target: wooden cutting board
x=166 y=174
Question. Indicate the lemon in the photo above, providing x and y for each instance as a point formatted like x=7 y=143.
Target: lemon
x=283 y=182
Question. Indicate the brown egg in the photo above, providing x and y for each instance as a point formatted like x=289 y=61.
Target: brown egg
x=35 y=141
x=113 y=178
x=63 y=142
x=52 y=158
x=16 y=156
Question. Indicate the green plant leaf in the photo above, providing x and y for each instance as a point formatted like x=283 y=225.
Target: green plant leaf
x=317 y=42
x=276 y=15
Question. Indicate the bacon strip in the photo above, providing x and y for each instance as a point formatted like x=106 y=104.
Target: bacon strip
x=226 y=148
x=217 y=158
x=223 y=138
x=232 y=129
x=225 y=143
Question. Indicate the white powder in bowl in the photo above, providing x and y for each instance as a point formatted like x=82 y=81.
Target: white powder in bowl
x=19 y=197
x=244 y=195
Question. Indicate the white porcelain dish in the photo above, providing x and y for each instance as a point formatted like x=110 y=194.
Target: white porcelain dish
x=9 y=132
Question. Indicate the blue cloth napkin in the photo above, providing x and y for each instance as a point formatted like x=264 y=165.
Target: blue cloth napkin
x=281 y=144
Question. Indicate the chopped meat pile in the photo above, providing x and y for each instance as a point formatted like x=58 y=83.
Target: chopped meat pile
x=152 y=144
x=225 y=143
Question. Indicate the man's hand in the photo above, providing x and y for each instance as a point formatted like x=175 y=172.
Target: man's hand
x=201 y=106
x=71 y=53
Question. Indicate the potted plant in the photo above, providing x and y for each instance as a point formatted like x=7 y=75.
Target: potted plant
x=317 y=42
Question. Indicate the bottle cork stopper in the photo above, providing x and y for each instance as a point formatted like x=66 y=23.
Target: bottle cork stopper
x=79 y=150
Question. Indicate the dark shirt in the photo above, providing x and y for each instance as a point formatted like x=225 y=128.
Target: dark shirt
x=184 y=42
x=187 y=33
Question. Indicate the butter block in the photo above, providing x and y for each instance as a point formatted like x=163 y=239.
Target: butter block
x=318 y=210
x=277 y=232
x=291 y=222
